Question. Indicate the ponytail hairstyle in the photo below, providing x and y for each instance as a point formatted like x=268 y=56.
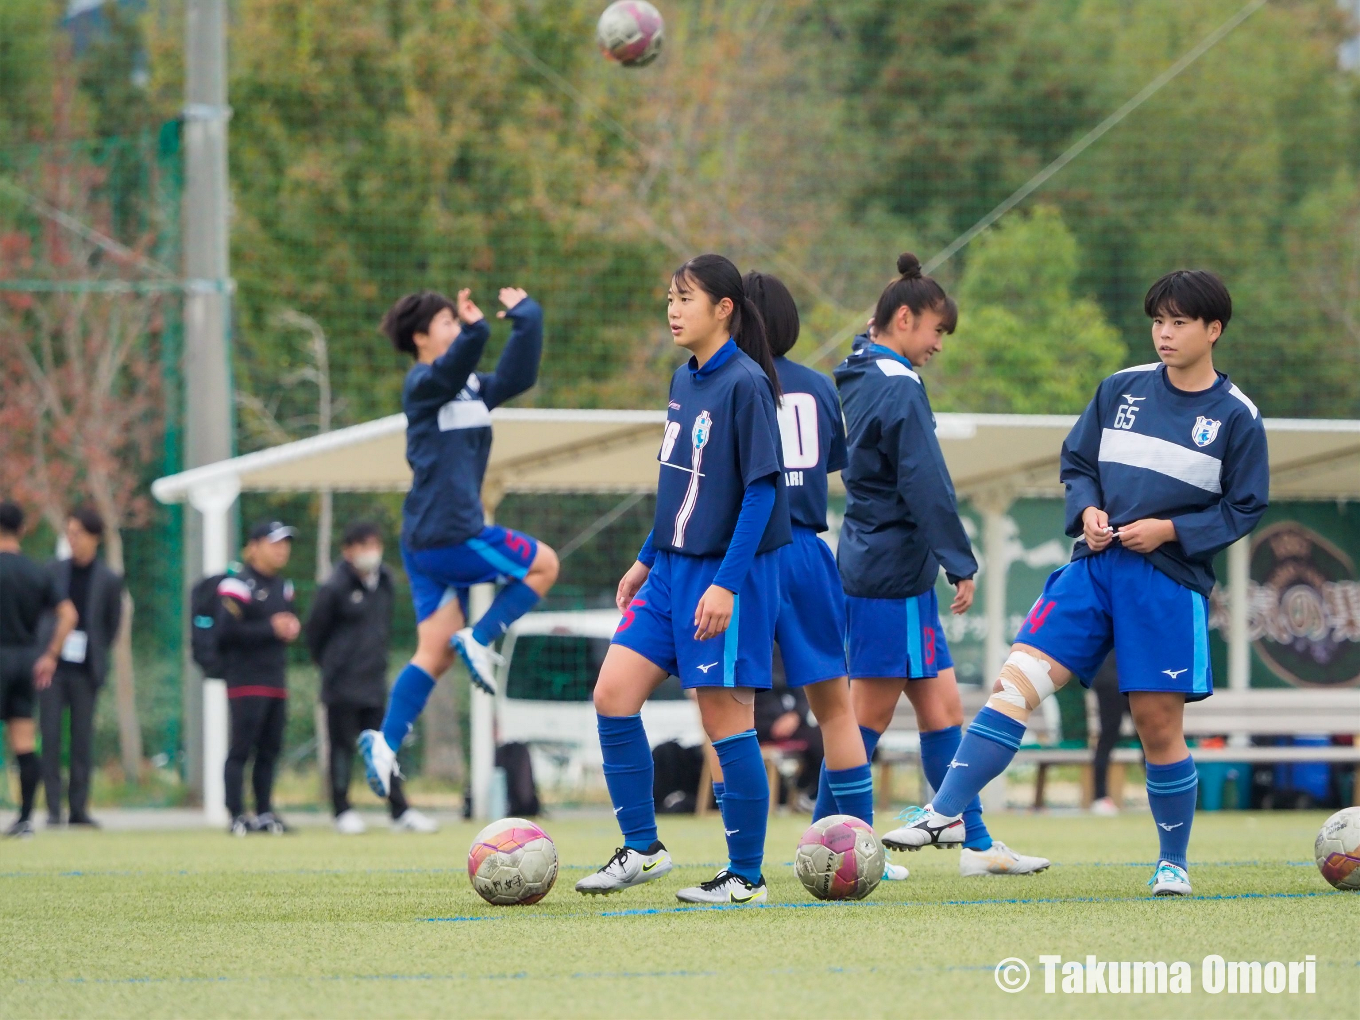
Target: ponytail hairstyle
x=777 y=310
x=917 y=292
x=717 y=277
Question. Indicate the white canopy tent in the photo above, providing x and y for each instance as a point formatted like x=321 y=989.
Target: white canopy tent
x=994 y=460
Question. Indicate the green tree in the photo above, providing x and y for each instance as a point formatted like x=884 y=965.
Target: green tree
x=1025 y=343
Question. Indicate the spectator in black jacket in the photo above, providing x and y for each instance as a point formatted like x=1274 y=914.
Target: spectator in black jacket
x=348 y=631
x=255 y=624
x=97 y=594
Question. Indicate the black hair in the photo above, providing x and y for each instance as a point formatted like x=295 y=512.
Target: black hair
x=1193 y=293
x=777 y=310
x=11 y=518
x=717 y=277
x=88 y=518
x=360 y=532
x=917 y=292
x=412 y=314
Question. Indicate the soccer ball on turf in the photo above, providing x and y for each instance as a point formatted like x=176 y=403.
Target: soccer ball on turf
x=631 y=32
x=512 y=862
x=839 y=858
x=1337 y=850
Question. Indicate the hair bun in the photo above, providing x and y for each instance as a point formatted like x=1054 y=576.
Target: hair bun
x=909 y=266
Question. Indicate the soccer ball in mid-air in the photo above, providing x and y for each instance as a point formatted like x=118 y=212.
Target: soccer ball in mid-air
x=839 y=858
x=511 y=862
x=631 y=32
x=1337 y=850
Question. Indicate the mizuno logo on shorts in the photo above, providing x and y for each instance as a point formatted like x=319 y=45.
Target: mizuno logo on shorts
x=705 y=669
x=1173 y=673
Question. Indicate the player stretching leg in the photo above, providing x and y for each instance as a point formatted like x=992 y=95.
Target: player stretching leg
x=702 y=600
x=811 y=626
x=901 y=525
x=446 y=544
x=1166 y=467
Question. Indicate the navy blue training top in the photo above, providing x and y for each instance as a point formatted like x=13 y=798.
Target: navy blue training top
x=448 y=426
x=1143 y=448
x=812 y=434
x=901 y=517
x=721 y=435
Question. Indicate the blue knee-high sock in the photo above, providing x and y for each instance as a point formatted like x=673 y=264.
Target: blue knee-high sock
x=1171 y=795
x=628 y=774
x=854 y=791
x=511 y=602
x=827 y=802
x=983 y=754
x=405 y=703
x=719 y=789
x=937 y=751
x=745 y=803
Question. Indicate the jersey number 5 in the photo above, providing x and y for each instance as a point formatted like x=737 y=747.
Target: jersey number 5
x=798 y=431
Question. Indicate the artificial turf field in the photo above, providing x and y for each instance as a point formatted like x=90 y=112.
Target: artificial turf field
x=315 y=924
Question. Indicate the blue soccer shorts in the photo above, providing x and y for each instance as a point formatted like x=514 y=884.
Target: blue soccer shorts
x=1159 y=629
x=443 y=573
x=659 y=623
x=896 y=638
x=811 y=625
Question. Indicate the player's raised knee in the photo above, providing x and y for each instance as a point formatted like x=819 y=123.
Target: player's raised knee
x=546 y=565
x=1025 y=680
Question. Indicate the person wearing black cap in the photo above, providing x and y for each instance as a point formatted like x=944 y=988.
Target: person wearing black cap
x=255 y=624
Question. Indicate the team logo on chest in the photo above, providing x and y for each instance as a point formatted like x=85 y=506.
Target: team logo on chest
x=699 y=436
x=703 y=426
x=1205 y=431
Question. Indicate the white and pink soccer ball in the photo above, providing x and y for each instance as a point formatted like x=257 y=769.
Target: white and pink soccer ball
x=1337 y=850
x=839 y=858
x=631 y=32
x=512 y=862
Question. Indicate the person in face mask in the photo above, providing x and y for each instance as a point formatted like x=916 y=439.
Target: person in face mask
x=348 y=632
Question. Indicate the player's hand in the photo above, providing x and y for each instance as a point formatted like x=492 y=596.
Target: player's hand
x=468 y=312
x=785 y=726
x=43 y=670
x=1146 y=535
x=286 y=626
x=630 y=584
x=1095 y=528
x=713 y=613
x=511 y=296
x=963 y=597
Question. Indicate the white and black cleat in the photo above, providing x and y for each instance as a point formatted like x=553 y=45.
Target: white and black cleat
x=480 y=660
x=1169 y=880
x=241 y=825
x=380 y=762
x=271 y=824
x=925 y=827
x=725 y=887
x=626 y=869
x=999 y=859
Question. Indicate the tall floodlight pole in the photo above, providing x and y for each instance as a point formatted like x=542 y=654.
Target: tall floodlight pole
x=207 y=396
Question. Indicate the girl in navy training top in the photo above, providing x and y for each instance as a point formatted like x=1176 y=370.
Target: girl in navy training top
x=702 y=600
x=901 y=527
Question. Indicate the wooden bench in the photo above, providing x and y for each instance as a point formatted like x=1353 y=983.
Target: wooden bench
x=1258 y=712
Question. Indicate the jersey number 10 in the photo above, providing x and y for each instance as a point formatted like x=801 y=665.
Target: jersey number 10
x=798 y=431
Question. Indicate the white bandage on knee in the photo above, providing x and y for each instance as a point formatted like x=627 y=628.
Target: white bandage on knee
x=1024 y=681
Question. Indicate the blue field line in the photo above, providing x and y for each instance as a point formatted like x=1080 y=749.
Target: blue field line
x=179 y=872
x=511 y=913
